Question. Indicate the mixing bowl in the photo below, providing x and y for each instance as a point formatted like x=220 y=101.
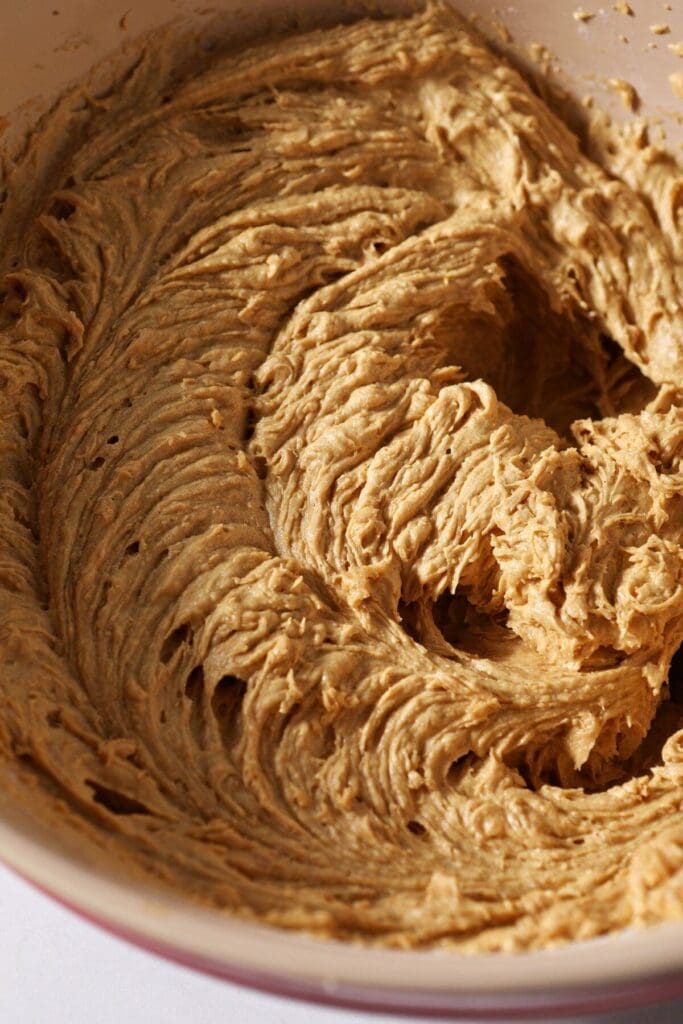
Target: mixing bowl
x=46 y=48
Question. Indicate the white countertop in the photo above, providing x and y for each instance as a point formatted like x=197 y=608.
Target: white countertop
x=57 y=969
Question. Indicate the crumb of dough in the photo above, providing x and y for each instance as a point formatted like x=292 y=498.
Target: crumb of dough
x=581 y=15
x=676 y=48
x=502 y=31
x=626 y=92
x=492 y=27
x=623 y=8
x=623 y=38
x=676 y=83
x=660 y=30
x=541 y=55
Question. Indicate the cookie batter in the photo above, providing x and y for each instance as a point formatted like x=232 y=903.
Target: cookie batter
x=341 y=511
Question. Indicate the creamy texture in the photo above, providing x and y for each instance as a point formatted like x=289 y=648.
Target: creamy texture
x=341 y=516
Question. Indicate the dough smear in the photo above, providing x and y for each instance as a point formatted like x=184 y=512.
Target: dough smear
x=341 y=521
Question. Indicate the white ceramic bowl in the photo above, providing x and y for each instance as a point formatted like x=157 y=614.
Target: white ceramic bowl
x=49 y=46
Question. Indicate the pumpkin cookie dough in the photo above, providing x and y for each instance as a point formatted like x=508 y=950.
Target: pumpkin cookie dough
x=341 y=519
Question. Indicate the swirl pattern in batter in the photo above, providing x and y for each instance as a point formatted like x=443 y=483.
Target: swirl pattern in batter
x=341 y=522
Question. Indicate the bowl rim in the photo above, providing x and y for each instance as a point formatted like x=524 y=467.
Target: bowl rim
x=590 y=976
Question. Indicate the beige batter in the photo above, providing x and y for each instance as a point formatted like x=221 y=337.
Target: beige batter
x=341 y=517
